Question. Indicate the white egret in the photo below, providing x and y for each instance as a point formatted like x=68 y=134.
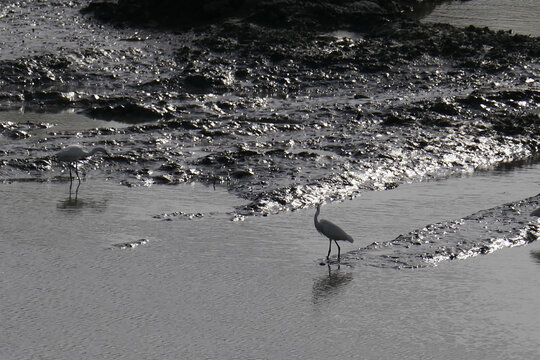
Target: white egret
x=74 y=153
x=331 y=231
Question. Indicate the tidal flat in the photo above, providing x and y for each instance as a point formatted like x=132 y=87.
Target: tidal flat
x=194 y=237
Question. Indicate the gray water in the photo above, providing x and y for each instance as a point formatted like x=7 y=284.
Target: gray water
x=212 y=288
x=520 y=16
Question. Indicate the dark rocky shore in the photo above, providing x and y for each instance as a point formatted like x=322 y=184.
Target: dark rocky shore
x=284 y=102
x=308 y=15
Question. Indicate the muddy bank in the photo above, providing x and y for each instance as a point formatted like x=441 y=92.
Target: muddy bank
x=313 y=15
x=281 y=117
x=480 y=233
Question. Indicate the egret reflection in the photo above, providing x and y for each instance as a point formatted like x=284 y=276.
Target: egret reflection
x=74 y=202
x=330 y=284
x=536 y=255
x=73 y=199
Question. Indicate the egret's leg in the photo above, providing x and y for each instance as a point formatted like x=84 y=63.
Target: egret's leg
x=329 y=249
x=338 y=250
x=77 y=190
x=77 y=172
x=70 y=176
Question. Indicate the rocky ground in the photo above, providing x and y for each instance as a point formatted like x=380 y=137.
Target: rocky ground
x=286 y=103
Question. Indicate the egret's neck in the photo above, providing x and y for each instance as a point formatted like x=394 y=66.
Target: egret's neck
x=316 y=218
x=95 y=150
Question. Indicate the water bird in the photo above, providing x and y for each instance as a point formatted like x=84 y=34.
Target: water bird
x=331 y=231
x=72 y=154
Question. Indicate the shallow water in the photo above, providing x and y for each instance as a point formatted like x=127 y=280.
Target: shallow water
x=519 y=16
x=215 y=288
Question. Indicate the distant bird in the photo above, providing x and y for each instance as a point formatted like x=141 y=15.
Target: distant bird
x=331 y=231
x=74 y=153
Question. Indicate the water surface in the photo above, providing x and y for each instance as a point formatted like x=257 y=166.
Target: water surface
x=520 y=16
x=215 y=288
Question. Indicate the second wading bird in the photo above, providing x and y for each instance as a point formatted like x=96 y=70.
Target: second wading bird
x=331 y=231
x=72 y=154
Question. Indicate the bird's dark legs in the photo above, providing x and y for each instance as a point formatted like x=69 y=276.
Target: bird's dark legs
x=338 y=250
x=329 y=249
x=76 y=190
x=77 y=172
x=70 y=176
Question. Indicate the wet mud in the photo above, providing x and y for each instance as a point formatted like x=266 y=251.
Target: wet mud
x=130 y=244
x=480 y=233
x=282 y=114
x=178 y=215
